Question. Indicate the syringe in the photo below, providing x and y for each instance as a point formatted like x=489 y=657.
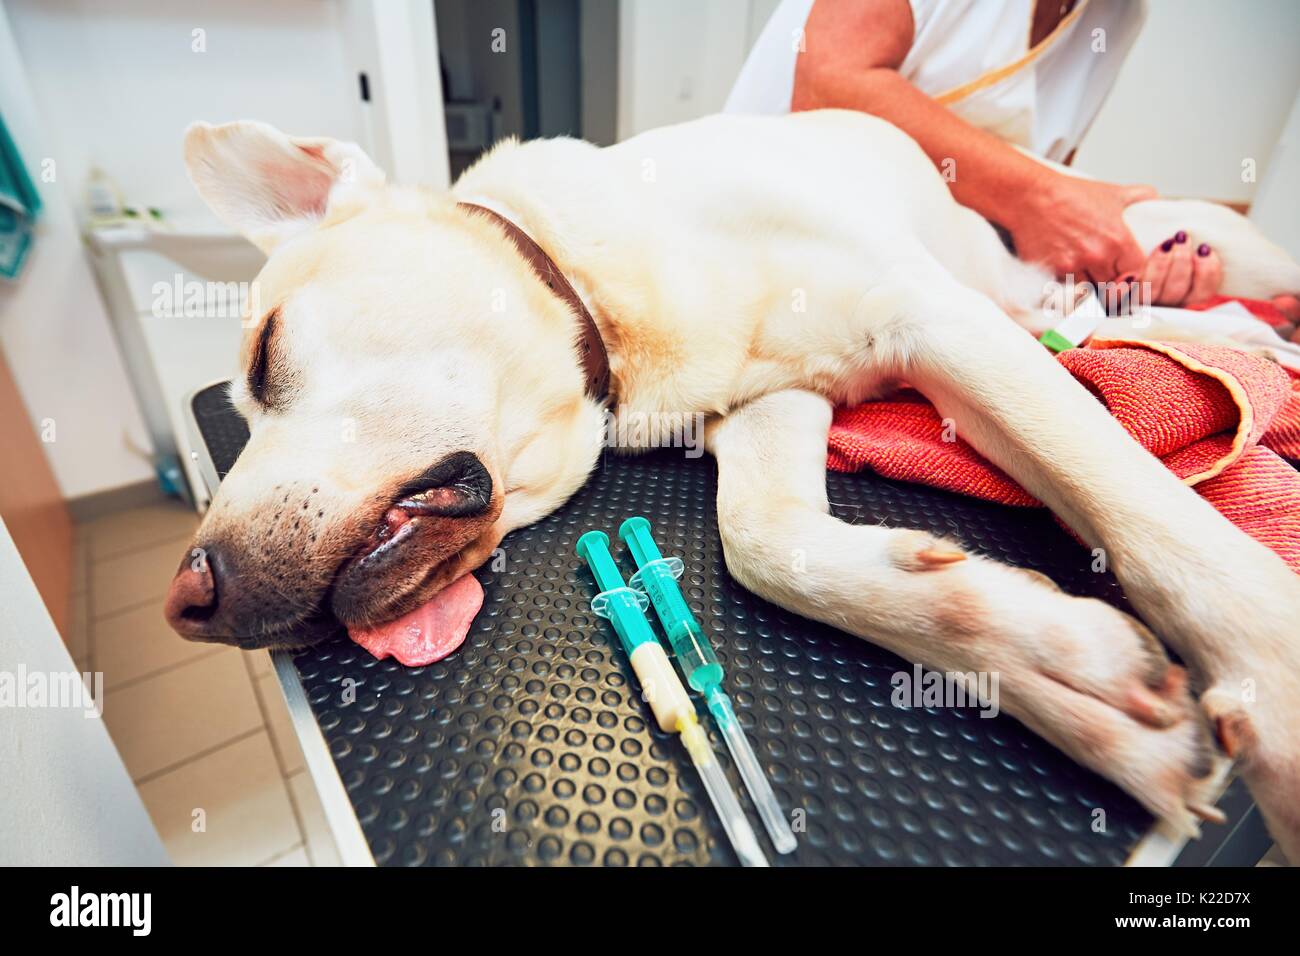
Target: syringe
x=657 y=576
x=672 y=707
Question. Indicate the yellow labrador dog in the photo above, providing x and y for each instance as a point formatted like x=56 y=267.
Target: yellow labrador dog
x=415 y=390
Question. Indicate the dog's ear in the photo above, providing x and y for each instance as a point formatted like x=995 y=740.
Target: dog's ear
x=270 y=186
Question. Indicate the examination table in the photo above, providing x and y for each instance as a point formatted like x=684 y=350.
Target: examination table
x=531 y=745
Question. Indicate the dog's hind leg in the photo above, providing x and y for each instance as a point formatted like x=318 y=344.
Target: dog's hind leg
x=1083 y=675
x=1226 y=603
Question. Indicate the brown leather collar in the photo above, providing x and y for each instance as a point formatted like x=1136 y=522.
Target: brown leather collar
x=591 y=347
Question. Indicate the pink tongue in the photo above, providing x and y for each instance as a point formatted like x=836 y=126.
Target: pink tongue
x=431 y=631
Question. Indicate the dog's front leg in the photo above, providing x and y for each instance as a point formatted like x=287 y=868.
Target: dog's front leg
x=1228 y=605
x=1078 y=672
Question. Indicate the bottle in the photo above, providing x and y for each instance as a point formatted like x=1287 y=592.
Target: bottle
x=103 y=201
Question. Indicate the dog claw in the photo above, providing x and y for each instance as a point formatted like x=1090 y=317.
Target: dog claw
x=1232 y=725
x=1174 y=681
x=938 y=557
x=1228 y=733
x=1161 y=700
x=1149 y=708
x=921 y=551
x=1208 y=813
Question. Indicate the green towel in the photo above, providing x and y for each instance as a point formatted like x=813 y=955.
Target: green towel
x=19 y=205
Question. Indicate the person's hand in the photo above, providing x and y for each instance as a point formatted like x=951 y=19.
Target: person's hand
x=1180 y=272
x=1076 y=227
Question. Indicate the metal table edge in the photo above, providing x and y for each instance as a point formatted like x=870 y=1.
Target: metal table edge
x=354 y=850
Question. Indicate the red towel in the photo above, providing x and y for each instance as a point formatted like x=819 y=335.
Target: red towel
x=1217 y=417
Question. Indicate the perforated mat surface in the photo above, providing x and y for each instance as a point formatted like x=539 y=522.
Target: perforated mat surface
x=531 y=745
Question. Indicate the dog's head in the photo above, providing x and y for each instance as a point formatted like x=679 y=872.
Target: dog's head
x=411 y=388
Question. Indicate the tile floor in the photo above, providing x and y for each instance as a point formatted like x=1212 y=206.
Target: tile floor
x=202 y=729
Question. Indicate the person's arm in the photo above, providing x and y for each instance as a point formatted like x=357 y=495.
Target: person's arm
x=852 y=51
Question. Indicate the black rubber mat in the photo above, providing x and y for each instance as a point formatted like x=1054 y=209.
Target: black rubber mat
x=530 y=744
x=223 y=429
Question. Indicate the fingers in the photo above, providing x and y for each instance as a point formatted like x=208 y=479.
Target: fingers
x=1129 y=257
x=1179 y=275
x=1155 y=269
x=1126 y=256
x=1178 y=272
x=1106 y=259
x=1208 y=275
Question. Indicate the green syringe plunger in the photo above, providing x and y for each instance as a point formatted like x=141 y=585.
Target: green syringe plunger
x=623 y=606
x=658 y=576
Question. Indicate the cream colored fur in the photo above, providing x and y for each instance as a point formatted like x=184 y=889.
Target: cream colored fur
x=758 y=272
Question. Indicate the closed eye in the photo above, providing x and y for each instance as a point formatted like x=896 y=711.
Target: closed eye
x=260 y=384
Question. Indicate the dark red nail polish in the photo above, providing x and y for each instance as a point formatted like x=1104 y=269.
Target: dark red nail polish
x=1180 y=236
x=1203 y=250
x=1166 y=245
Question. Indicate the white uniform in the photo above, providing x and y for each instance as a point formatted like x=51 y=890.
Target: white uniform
x=974 y=57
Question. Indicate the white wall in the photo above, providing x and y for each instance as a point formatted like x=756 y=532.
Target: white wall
x=114 y=85
x=53 y=327
x=679 y=58
x=1207 y=85
x=119 y=82
x=1276 y=208
x=402 y=126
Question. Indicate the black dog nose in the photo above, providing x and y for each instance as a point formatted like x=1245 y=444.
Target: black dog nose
x=211 y=600
x=192 y=598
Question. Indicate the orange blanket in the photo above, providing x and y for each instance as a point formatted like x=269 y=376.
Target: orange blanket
x=1218 y=418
